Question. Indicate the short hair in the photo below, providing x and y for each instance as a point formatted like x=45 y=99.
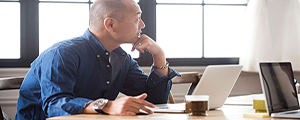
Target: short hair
x=107 y=8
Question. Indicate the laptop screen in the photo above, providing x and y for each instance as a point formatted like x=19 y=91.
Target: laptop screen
x=279 y=86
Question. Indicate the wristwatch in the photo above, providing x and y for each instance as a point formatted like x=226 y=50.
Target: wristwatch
x=99 y=104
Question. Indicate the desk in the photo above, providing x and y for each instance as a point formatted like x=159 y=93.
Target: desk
x=227 y=112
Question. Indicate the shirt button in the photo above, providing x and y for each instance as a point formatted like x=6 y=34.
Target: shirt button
x=106 y=53
x=107 y=82
x=98 y=56
x=107 y=65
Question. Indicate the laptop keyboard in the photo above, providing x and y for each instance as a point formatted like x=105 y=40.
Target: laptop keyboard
x=162 y=107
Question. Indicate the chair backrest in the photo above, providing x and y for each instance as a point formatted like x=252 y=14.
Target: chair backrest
x=186 y=77
x=11 y=82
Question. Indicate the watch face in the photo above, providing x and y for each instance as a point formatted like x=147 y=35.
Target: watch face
x=99 y=103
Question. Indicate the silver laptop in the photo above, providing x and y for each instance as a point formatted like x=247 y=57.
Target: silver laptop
x=277 y=81
x=217 y=81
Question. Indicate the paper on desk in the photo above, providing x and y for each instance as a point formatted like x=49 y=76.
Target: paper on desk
x=239 y=100
x=169 y=108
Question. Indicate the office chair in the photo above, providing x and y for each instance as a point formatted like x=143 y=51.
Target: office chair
x=11 y=82
x=6 y=84
x=186 y=77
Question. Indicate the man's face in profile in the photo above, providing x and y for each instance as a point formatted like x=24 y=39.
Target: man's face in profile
x=131 y=27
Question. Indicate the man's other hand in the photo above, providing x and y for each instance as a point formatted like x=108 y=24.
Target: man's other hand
x=128 y=105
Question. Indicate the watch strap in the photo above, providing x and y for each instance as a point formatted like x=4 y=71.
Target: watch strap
x=100 y=111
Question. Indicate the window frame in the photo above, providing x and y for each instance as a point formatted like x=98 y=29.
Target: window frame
x=29 y=36
x=149 y=17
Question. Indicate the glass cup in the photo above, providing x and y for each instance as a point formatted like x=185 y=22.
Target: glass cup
x=196 y=105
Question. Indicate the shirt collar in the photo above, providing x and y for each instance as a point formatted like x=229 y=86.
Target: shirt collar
x=119 y=51
x=97 y=46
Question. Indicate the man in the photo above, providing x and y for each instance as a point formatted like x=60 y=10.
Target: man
x=85 y=74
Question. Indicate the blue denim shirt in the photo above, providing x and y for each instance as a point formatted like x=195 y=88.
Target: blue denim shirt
x=66 y=77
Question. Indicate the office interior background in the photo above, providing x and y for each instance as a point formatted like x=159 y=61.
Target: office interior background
x=192 y=33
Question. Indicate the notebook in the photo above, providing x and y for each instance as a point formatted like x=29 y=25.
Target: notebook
x=217 y=81
x=277 y=81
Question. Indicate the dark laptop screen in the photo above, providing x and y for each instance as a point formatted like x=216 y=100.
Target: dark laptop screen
x=279 y=86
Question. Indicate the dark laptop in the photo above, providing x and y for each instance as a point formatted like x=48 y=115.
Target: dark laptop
x=278 y=85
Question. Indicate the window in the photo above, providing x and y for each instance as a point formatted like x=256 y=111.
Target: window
x=10 y=30
x=177 y=25
x=66 y=21
x=223 y=30
x=191 y=32
x=200 y=29
x=69 y=19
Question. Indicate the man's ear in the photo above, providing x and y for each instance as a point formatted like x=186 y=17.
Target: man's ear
x=109 y=24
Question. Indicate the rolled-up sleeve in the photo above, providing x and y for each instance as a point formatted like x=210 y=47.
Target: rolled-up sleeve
x=156 y=85
x=156 y=77
x=159 y=86
x=76 y=105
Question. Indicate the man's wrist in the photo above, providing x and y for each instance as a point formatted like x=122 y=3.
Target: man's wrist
x=99 y=104
x=106 y=108
x=161 y=67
